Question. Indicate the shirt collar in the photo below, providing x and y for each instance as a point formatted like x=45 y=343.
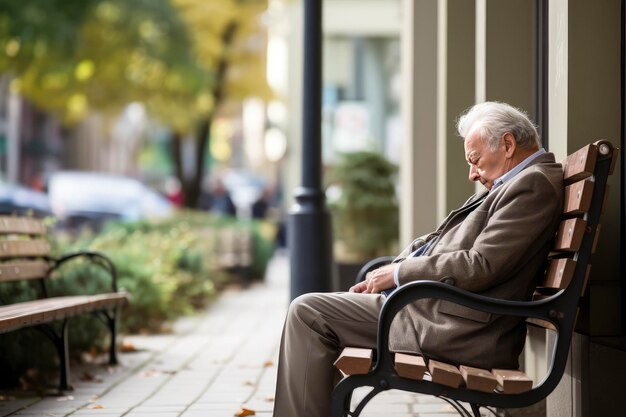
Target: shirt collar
x=506 y=177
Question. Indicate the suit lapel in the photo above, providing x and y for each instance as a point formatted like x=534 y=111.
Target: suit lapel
x=472 y=204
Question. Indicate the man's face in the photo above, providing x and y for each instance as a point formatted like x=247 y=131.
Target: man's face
x=485 y=165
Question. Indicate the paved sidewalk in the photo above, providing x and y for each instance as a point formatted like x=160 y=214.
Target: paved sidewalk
x=210 y=366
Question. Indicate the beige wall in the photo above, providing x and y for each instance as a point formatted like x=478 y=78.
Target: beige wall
x=584 y=89
x=584 y=106
x=460 y=94
x=438 y=72
x=509 y=52
x=418 y=190
x=593 y=114
x=361 y=17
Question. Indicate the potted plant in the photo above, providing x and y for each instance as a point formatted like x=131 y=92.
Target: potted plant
x=364 y=207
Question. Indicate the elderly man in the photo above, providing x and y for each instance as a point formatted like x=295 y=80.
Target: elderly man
x=494 y=245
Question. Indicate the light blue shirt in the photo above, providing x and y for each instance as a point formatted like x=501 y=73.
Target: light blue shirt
x=516 y=170
x=498 y=182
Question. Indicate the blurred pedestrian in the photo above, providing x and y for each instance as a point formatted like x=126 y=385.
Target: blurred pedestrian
x=218 y=200
x=260 y=206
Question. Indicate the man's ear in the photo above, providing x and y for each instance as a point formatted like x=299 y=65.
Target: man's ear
x=509 y=145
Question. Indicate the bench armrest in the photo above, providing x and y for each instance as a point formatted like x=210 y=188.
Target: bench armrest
x=545 y=309
x=96 y=257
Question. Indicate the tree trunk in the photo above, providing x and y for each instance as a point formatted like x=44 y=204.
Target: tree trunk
x=194 y=187
x=177 y=154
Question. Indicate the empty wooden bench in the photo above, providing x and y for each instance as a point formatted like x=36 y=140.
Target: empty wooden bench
x=235 y=251
x=25 y=255
x=554 y=307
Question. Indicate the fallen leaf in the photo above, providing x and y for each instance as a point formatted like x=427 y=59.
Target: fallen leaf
x=95 y=407
x=127 y=347
x=86 y=376
x=269 y=398
x=268 y=364
x=248 y=383
x=150 y=373
x=243 y=412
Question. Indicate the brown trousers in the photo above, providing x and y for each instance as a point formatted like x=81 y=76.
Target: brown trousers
x=317 y=328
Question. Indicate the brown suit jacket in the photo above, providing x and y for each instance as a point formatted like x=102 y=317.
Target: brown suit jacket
x=495 y=245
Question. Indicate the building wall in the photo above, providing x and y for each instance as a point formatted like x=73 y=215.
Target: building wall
x=583 y=104
x=585 y=88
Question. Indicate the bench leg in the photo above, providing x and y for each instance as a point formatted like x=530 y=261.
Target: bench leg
x=342 y=398
x=111 y=319
x=113 y=323
x=61 y=344
x=64 y=357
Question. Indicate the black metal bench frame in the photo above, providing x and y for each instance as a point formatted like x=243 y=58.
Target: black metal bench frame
x=559 y=309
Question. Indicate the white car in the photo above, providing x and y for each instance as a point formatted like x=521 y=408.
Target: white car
x=88 y=197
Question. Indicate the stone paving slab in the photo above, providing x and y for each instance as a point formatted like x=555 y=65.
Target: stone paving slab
x=210 y=366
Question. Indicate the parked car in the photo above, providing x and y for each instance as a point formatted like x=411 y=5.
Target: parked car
x=17 y=199
x=88 y=198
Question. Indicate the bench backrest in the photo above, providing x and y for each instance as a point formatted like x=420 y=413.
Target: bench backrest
x=577 y=236
x=586 y=174
x=23 y=249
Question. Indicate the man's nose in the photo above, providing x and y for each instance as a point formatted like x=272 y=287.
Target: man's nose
x=473 y=173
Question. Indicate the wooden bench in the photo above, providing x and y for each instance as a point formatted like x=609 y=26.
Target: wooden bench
x=24 y=256
x=554 y=307
x=235 y=251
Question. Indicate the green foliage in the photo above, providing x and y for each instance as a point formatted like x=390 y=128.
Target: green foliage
x=77 y=56
x=365 y=217
x=185 y=60
x=170 y=267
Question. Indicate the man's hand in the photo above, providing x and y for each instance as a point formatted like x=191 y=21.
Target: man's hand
x=376 y=281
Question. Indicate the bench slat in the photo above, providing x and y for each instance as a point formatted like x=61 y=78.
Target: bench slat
x=21 y=225
x=23 y=270
x=577 y=197
x=24 y=248
x=560 y=273
x=580 y=164
x=27 y=313
x=410 y=366
x=478 y=379
x=512 y=381
x=570 y=235
x=445 y=374
x=354 y=361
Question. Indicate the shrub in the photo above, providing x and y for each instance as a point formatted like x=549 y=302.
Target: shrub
x=365 y=216
x=170 y=267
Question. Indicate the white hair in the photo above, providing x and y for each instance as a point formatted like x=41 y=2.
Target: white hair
x=492 y=120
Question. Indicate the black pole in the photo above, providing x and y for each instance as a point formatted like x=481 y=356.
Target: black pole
x=622 y=198
x=309 y=233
